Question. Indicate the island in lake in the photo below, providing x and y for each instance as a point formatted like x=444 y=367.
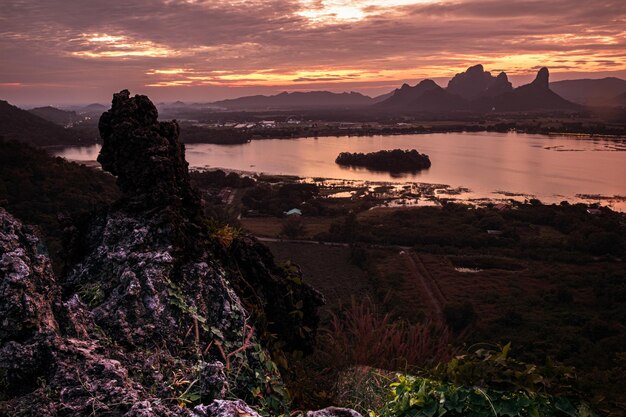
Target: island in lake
x=396 y=160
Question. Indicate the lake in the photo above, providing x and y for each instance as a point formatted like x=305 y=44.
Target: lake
x=491 y=165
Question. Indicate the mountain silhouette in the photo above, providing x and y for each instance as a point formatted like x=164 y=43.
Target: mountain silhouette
x=54 y=115
x=23 y=126
x=297 y=100
x=535 y=96
x=601 y=92
x=476 y=83
x=424 y=97
x=477 y=91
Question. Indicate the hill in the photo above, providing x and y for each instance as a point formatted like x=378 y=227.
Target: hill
x=535 y=96
x=600 y=92
x=23 y=126
x=620 y=100
x=54 y=115
x=297 y=100
x=476 y=90
x=477 y=83
x=426 y=96
x=39 y=187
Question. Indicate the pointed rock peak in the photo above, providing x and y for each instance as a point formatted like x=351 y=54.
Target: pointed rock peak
x=543 y=78
x=144 y=154
x=405 y=86
x=503 y=77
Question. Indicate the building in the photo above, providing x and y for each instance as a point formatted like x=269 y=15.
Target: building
x=294 y=212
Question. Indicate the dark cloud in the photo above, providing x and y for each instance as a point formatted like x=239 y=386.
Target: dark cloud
x=83 y=50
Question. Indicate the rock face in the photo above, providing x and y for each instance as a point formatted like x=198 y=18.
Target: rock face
x=426 y=96
x=45 y=369
x=154 y=312
x=476 y=83
x=144 y=154
x=535 y=96
x=542 y=80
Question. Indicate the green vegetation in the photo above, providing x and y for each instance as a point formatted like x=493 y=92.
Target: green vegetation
x=395 y=160
x=487 y=383
x=92 y=293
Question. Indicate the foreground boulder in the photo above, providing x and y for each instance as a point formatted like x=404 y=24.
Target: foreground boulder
x=154 y=313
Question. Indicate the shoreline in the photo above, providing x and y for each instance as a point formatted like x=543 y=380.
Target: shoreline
x=420 y=194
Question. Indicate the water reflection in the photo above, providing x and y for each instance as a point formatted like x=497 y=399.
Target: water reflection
x=551 y=168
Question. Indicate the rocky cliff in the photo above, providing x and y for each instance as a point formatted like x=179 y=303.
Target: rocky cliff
x=156 y=311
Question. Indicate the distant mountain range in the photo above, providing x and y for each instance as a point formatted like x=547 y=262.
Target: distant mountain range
x=297 y=100
x=23 y=126
x=602 y=92
x=474 y=90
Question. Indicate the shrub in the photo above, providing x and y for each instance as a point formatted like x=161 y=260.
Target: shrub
x=487 y=383
x=293 y=227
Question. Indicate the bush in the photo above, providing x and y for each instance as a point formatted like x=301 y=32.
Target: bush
x=293 y=227
x=487 y=383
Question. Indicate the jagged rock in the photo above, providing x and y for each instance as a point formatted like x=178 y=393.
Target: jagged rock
x=213 y=381
x=543 y=79
x=43 y=373
x=289 y=302
x=475 y=83
x=28 y=285
x=334 y=412
x=144 y=154
x=534 y=96
x=150 y=305
x=425 y=96
x=225 y=408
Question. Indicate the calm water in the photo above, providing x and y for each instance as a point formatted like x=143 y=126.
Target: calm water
x=551 y=168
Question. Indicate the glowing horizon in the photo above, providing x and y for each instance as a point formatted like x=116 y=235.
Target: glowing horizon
x=209 y=50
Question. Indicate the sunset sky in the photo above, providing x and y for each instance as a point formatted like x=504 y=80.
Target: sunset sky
x=70 y=51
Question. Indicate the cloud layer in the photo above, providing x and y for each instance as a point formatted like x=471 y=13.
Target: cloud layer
x=74 y=50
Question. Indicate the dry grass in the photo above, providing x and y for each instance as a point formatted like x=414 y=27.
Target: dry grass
x=361 y=335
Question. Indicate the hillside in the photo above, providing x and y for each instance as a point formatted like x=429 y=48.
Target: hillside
x=297 y=100
x=110 y=335
x=54 y=115
x=477 y=91
x=535 y=96
x=41 y=188
x=23 y=126
x=426 y=96
x=476 y=83
x=601 y=92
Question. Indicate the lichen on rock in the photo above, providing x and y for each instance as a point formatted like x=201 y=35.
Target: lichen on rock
x=152 y=316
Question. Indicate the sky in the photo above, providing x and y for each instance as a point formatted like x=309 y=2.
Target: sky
x=81 y=51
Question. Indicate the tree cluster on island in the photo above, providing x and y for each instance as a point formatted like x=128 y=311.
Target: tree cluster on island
x=396 y=160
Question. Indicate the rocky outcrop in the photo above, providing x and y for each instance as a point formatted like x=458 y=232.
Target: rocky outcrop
x=475 y=83
x=535 y=96
x=426 y=96
x=43 y=370
x=144 y=154
x=153 y=312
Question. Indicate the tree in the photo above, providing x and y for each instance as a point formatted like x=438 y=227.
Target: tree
x=293 y=227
